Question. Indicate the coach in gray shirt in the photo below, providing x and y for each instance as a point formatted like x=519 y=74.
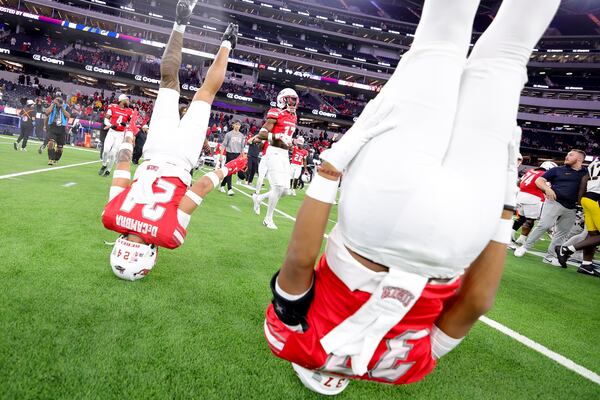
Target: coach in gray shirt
x=234 y=143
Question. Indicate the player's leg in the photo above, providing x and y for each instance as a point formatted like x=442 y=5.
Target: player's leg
x=51 y=144
x=60 y=143
x=262 y=173
x=192 y=129
x=591 y=211
x=518 y=223
x=107 y=150
x=112 y=158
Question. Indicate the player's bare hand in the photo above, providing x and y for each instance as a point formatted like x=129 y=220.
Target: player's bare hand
x=550 y=194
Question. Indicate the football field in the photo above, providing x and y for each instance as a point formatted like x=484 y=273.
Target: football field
x=69 y=329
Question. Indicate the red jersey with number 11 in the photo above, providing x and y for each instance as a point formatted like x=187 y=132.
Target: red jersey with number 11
x=156 y=223
x=528 y=185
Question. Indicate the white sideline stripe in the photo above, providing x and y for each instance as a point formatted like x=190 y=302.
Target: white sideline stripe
x=565 y=362
x=69 y=184
x=236 y=208
x=562 y=360
x=66 y=147
x=36 y=171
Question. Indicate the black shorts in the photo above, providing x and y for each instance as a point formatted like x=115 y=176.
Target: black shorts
x=57 y=133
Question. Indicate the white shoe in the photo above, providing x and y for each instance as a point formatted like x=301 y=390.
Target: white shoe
x=320 y=382
x=293 y=192
x=23 y=149
x=256 y=204
x=551 y=260
x=269 y=224
x=520 y=251
x=230 y=192
x=222 y=189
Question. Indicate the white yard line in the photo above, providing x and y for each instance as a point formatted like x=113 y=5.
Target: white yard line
x=562 y=360
x=69 y=184
x=38 y=141
x=36 y=171
x=236 y=208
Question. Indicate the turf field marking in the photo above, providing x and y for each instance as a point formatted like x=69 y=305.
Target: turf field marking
x=562 y=360
x=66 y=146
x=70 y=184
x=236 y=208
x=565 y=362
x=36 y=171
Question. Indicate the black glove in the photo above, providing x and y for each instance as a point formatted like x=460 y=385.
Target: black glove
x=231 y=34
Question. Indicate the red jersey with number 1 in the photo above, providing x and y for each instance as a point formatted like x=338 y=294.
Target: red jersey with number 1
x=286 y=122
x=156 y=223
x=528 y=185
x=298 y=155
x=119 y=115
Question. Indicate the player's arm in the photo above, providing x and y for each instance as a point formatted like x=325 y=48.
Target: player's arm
x=542 y=184
x=67 y=114
x=582 y=187
x=122 y=174
x=474 y=298
x=195 y=195
x=266 y=129
x=206 y=147
x=107 y=118
x=48 y=110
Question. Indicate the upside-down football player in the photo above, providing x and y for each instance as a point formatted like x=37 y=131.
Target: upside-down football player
x=393 y=291
x=155 y=208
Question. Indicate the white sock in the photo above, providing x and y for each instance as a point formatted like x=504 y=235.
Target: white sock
x=586 y=263
x=441 y=343
x=572 y=248
x=515 y=31
x=179 y=28
x=446 y=21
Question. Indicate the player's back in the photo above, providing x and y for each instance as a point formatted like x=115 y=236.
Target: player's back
x=527 y=184
x=157 y=222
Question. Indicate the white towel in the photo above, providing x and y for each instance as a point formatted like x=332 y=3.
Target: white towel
x=360 y=334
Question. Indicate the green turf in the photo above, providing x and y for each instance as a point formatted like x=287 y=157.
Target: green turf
x=193 y=328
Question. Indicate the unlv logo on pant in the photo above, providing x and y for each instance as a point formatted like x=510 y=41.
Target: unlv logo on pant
x=402 y=295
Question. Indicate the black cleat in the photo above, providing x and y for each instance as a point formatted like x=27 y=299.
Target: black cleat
x=231 y=34
x=562 y=254
x=15 y=146
x=106 y=173
x=586 y=269
x=102 y=170
x=184 y=11
x=41 y=149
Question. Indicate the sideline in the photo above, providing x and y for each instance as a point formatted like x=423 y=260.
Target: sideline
x=36 y=171
x=5 y=137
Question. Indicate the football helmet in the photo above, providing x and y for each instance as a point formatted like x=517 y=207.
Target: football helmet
x=287 y=99
x=300 y=141
x=594 y=170
x=132 y=261
x=548 y=165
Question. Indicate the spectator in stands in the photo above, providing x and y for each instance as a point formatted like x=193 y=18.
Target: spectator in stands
x=559 y=207
x=27 y=115
x=233 y=145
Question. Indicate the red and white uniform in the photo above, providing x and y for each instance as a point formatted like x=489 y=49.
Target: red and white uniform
x=118 y=115
x=297 y=161
x=158 y=220
x=530 y=198
x=220 y=159
x=402 y=356
x=277 y=161
x=262 y=165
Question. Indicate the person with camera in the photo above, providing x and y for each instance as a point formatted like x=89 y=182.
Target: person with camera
x=58 y=117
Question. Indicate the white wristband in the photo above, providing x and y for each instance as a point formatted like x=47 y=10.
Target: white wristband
x=213 y=178
x=119 y=173
x=226 y=44
x=442 y=344
x=503 y=232
x=323 y=189
x=129 y=134
x=194 y=197
x=270 y=137
x=126 y=146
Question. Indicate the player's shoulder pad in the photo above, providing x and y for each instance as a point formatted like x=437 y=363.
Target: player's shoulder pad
x=292 y=312
x=274 y=113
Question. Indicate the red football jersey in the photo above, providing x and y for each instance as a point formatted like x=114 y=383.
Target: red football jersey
x=119 y=115
x=286 y=122
x=219 y=148
x=400 y=356
x=298 y=155
x=528 y=185
x=155 y=223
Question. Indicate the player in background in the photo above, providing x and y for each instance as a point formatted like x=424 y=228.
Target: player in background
x=116 y=119
x=154 y=209
x=529 y=202
x=589 y=196
x=298 y=162
x=262 y=165
x=387 y=300
x=219 y=157
x=278 y=130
